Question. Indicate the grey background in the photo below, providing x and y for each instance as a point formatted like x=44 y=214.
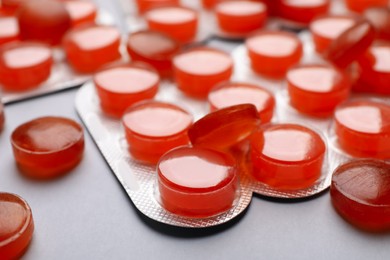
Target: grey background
x=87 y=215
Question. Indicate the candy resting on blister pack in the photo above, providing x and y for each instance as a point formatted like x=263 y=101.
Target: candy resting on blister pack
x=316 y=90
x=120 y=86
x=24 y=65
x=279 y=50
x=360 y=193
x=240 y=17
x=152 y=128
x=224 y=128
x=47 y=147
x=351 y=44
x=326 y=29
x=38 y=24
x=362 y=128
x=199 y=69
x=234 y=93
x=16 y=226
x=287 y=156
x=181 y=23
x=89 y=47
x=154 y=48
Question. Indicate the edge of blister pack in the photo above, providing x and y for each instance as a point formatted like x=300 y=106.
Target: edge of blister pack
x=62 y=75
x=139 y=179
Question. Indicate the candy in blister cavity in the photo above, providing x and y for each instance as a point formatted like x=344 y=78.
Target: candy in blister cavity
x=47 y=147
x=351 y=44
x=9 y=29
x=181 y=23
x=37 y=24
x=362 y=128
x=361 y=5
x=24 y=65
x=326 y=29
x=17 y=226
x=240 y=17
x=152 y=128
x=81 y=11
x=90 y=47
x=360 y=193
x=197 y=182
x=287 y=156
x=374 y=70
x=234 y=93
x=154 y=48
x=119 y=86
x=198 y=70
x=279 y=50
x=316 y=90
x=302 y=11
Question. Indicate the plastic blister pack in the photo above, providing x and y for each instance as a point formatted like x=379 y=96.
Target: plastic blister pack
x=62 y=75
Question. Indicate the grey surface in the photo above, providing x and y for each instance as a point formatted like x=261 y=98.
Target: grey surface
x=87 y=215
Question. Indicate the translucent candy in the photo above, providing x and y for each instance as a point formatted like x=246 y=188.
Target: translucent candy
x=360 y=193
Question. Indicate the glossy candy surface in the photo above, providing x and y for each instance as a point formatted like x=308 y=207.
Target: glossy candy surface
x=224 y=128
x=279 y=50
x=241 y=17
x=9 y=29
x=90 y=47
x=360 y=193
x=326 y=29
x=154 y=48
x=235 y=93
x=145 y=5
x=361 y=5
x=363 y=128
x=379 y=17
x=121 y=86
x=47 y=147
x=36 y=23
x=351 y=44
x=287 y=156
x=152 y=128
x=302 y=11
x=374 y=67
x=178 y=22
x=16 y=226
x=197 y=182
x=198 y=70
x=317 y=89
x=81 y=11
x=24 y=65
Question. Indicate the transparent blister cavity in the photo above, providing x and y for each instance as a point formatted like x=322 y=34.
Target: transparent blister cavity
x=62 y=76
